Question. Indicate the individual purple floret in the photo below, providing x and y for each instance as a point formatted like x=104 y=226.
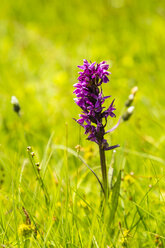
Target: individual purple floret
x=90 y=99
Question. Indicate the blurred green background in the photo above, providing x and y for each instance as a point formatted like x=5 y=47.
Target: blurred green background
x=41 y=44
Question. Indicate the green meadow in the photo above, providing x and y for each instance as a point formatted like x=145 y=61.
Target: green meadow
x=48 y=196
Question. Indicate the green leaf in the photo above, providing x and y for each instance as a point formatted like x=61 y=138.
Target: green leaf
x=115 y=198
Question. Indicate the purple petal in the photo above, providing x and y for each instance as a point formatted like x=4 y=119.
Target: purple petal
x=111 y=147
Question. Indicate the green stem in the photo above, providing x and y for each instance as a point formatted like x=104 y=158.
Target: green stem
x=27 y=242
x=103 y=170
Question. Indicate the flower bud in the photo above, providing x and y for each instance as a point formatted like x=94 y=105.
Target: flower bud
x=128 y=113
x=15 y=103
x=134 y=90
x=130 y=100
x=78 y=148
x=32 y=154
x=29 y=148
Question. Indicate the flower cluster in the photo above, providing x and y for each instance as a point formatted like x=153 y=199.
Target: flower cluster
x=90 y=99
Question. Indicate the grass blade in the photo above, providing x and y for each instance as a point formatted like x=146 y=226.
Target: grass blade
x=115 y=198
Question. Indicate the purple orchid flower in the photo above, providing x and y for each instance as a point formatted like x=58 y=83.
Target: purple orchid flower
x=90 y=99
